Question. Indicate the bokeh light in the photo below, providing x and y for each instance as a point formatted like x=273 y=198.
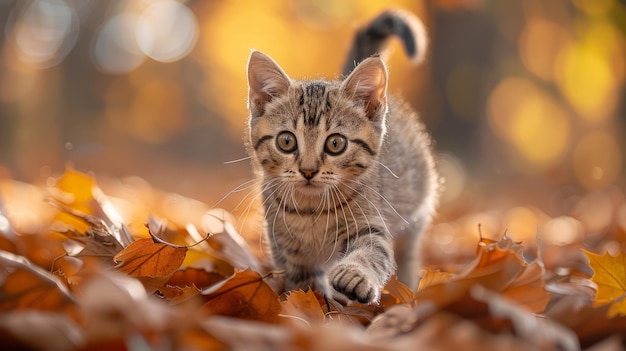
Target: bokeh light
x=524 y=99
x=167 y=31
x=540 y=43
x=587 y=77
x=44 y=31
x=115 y=50
x=529 y=120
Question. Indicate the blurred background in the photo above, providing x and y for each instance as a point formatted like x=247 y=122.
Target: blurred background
x=525 y=99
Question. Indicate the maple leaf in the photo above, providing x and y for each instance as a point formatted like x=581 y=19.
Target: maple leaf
x=609 y=274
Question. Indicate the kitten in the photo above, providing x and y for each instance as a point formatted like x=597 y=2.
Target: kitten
x=344 y=169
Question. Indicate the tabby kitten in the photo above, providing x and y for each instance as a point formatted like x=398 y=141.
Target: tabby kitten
x=345 y=168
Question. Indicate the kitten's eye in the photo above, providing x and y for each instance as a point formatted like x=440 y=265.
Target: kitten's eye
x=335 y=144
x=286 y=142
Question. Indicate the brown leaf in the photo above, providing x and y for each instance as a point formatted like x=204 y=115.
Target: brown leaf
x=303 y=306
x=98 y=240
x=245 y=296
x=26 y=286
x=196 y=276
x=80 y=200
x=498 y=267
x=398 y=291
x=542 y=332
x=591 y=324
x=145 y=258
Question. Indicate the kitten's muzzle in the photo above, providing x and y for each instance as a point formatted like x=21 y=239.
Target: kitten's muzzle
x=308 y=174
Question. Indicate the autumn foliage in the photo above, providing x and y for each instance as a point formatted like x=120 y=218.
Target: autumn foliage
x=97 y=271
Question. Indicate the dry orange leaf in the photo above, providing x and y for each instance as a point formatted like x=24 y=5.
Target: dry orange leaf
x=609 y=274
x=498 y=267
x=145 y=258
x=245 y=296
x=397 y=291
x=304 y=306
x=27 y=286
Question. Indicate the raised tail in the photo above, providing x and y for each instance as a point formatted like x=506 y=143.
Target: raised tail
x=371 y=39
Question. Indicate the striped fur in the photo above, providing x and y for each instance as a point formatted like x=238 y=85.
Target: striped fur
x=331 y=211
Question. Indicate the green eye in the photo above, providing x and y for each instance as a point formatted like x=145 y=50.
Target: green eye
x=286 y=142
x=335 y=144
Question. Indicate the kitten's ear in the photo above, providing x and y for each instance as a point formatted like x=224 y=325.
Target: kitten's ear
x=266 y=80
x=368 y=84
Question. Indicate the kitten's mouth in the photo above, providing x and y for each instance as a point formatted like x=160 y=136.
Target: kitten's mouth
x=308 y=187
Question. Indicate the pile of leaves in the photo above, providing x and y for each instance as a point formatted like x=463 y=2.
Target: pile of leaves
x=85 y=270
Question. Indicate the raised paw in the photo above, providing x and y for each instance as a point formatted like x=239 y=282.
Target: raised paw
x=354 y=282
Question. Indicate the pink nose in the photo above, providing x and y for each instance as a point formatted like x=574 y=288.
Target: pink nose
x=308 y=174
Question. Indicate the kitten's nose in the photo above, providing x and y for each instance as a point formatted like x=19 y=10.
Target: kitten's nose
x=308 y=174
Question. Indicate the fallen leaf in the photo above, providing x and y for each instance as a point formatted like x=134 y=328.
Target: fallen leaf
x=98 y=240
x=81 y=199
x=27 y=286
x=303 y=306
x=196 y=276
x=543 y=333
x=398 y=291
x=245 y=296
x=145 y=258
x=609 y=274
x=498 y=267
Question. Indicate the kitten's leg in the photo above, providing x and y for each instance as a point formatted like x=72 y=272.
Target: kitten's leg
x=406 y=248
x=362 y=272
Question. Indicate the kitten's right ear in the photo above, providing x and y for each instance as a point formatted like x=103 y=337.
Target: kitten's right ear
x=266 y=81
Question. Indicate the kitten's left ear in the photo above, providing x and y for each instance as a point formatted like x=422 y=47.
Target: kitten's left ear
x=368 y=84
x=266 y=80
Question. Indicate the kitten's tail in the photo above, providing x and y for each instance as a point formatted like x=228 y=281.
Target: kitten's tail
x=370 y=40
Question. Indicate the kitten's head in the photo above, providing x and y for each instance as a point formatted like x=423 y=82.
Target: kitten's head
x=315 y=134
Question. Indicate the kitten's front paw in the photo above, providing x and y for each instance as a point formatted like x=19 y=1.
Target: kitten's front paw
x=354 y=282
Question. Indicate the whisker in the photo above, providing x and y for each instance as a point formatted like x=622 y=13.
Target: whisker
x=388 y=169
x=383 y=198
x=243 y=186
x=380 y=215
x=354 y=220
x=332 y=196
x=246 y=212
x=237 y=160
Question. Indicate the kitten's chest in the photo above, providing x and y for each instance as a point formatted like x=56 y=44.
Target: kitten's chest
x=311 y=236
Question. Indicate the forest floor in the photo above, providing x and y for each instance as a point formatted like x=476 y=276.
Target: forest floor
x=127 y=267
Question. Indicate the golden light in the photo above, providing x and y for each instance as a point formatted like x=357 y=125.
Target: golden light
x=562 y=230
x=536 y=126
x=589 y=72
x=522 y=223
x=595 y=7
x=540 y=43
x=597 y=160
